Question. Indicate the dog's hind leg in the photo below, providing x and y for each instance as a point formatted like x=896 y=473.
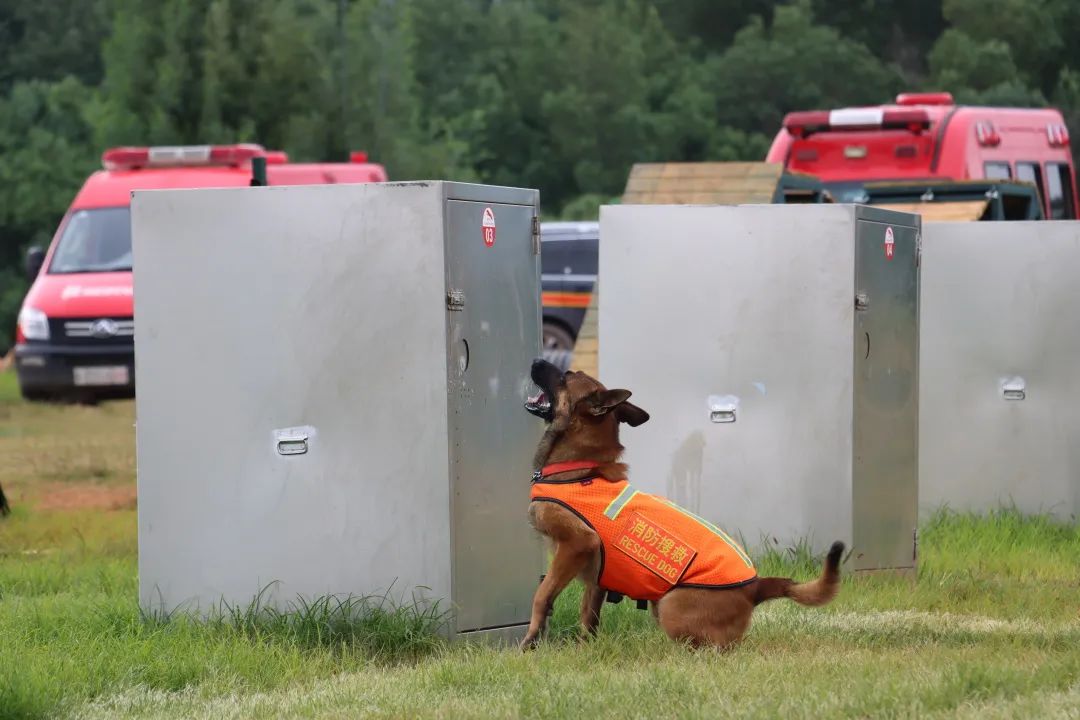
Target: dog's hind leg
x=705 y=617
x=570 y=559
x=592 y=601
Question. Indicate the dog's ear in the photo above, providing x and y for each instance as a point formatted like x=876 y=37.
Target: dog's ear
x=631 y=414
x=604 y=401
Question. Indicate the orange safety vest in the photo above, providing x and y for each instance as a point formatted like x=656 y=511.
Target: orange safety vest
x=649 y=544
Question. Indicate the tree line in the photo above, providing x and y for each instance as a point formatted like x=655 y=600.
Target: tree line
x=563 y=95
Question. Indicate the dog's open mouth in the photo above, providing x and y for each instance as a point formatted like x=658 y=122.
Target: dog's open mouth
x=539 y=405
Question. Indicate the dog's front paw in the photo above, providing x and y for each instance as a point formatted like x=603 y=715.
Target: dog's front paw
x=530 y=642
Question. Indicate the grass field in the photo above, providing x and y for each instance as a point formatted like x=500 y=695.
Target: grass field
x=990 y=629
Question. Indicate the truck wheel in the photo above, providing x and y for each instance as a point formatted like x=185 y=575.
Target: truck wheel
x=556 y=337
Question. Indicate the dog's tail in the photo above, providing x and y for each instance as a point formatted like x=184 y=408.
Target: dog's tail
x=5 y=509
x=815 y=592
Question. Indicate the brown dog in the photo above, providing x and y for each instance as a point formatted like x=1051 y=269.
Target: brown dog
x=580 y=452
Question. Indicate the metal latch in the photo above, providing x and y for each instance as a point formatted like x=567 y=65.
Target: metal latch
x=1014 y=389
x=862 y=301
x=455 y=300
x=536 y=234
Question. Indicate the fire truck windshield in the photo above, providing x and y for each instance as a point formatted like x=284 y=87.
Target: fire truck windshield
x=96 y=240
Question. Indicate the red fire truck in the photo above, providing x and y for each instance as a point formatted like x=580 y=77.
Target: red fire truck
x=925 y=136
x=75 y=333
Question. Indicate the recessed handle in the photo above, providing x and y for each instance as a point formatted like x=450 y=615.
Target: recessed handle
x=1014 y=389
x=723 y=408
x=292 y=446
x=293 y=441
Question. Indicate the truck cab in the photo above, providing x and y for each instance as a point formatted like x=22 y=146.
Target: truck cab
x=75 y=332
x=927 y=136
x=569 y=257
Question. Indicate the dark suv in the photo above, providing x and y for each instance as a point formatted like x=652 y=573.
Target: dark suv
x=568 y=261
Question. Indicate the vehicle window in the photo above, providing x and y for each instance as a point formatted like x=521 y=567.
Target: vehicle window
x=569 y=257
x=997 y=171
x=555 y=256
x=585 y=257
x=1060 y=191
x=1029 y=172
x=97 y=240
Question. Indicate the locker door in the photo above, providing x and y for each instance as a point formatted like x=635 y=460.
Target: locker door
x=885 y=473
x=493 y=337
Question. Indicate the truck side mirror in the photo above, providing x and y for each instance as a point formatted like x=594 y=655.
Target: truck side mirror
x=35 y=258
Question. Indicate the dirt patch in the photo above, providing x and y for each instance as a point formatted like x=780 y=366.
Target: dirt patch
x=87 y=497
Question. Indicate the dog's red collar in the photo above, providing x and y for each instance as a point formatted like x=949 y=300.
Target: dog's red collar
x=557 y=468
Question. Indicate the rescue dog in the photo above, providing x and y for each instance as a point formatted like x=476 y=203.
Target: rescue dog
x=701 y=586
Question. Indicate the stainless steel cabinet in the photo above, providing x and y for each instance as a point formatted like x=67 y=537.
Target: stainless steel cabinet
x=330 y=385
x=1000 y=389
x=776 y=348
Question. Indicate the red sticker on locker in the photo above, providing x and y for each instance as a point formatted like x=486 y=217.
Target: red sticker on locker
x=488 y=226
x=890 y=244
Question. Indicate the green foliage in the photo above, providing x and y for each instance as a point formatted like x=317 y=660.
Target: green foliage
x=792 y=65
x=45 y=153
x=564 y=95
x=12 y=289
x=1032 y=32
x=49 y=40
x=586 y=207
x=980 y=72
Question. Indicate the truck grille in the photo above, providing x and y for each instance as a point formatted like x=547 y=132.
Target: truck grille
x=95 y=331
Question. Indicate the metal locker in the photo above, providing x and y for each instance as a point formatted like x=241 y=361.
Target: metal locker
x=999 y=390
x=330 y=384
x=776 y=349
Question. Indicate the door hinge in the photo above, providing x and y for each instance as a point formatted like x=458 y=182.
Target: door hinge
x=455 y=300
x=915 y=545
x=862 y=301
x=536 y=234
x=918 y=249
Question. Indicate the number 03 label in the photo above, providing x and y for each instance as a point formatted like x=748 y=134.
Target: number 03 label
x=488 y=226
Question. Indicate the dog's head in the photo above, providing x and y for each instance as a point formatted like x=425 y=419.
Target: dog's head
x=583 y=416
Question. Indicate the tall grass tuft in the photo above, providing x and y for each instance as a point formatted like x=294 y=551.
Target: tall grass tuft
x=375 y=627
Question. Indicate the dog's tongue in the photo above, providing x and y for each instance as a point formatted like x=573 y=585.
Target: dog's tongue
x=539 y=399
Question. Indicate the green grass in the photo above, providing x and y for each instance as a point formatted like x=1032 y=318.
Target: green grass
x=991 y=628
x=9 y=388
